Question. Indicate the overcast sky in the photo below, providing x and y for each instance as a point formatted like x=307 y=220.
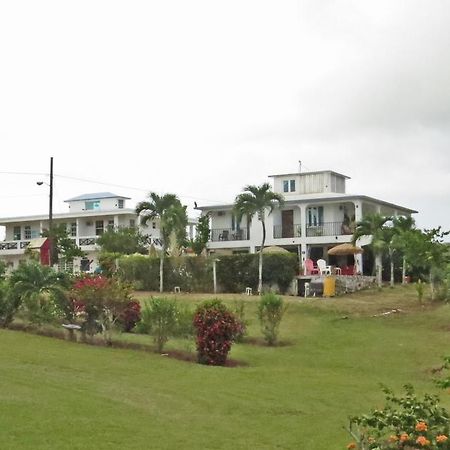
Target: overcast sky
x=200 y=98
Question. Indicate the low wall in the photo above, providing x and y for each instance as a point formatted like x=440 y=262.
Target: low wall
x=353 y=283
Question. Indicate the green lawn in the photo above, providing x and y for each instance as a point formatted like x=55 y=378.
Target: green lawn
x=60 y=395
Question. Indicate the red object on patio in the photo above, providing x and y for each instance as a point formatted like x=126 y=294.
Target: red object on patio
x=310 y=269
x=347 y=270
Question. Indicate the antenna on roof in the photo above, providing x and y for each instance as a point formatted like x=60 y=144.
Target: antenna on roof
x=299 y=166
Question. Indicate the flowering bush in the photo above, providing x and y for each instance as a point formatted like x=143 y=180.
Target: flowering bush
x=130 y=316
x=406 y=422
x=99 y=302
x=216 y=328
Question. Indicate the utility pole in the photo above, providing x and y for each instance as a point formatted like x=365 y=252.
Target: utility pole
x=50 y=214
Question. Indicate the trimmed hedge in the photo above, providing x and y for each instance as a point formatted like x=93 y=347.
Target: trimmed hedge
x=194 y=274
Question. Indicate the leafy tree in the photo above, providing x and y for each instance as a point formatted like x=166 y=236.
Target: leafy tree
x=9 y=304
x=256 y=200
x=172 y=222
x=427 y=252
x=63 y=244
x=124 y=241
x=372 y=225
x=40 y=288
x=202 y=234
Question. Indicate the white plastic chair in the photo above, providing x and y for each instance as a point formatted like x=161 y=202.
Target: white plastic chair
x=324 y=269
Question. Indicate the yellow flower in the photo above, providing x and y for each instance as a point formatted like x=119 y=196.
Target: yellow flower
x=441 y=438
x=423 y=441
x=421 y=426
x=393 y=438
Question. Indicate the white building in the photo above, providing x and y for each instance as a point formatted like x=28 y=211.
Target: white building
x=89 y=216
x=317 y=215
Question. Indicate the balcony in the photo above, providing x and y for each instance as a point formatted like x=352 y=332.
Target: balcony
x=287 y=231
x=227 y=234
x=18 y=247
x=327 y=229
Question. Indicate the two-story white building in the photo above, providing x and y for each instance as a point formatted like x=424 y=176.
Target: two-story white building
x=88 y=217
x=317 y=215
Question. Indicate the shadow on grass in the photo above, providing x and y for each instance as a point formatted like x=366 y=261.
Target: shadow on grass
x=180 y=355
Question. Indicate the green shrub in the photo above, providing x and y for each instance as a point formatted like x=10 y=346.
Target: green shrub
x=270 y=312
x=9 y=304
x=159 y=319
x=420 y=289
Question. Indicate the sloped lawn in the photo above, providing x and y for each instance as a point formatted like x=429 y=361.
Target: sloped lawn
x=60 y=395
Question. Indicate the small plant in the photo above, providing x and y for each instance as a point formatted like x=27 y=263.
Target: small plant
x=159 y=319
x=419 y=289
x=239 y=311
x=270 y=312
x=406 y=422
x=216 y=330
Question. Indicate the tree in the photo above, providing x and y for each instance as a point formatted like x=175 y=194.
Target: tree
x=372 y=225
x=172 y=222
x=39 y=288
x=256 y=200
x=403 y=228
x=426 y=251
x=202 y=233
x=124 y=241
x=63 y=244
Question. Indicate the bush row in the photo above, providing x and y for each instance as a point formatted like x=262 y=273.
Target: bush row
x=195 y=274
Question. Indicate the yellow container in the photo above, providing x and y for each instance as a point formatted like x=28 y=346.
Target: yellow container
x=329 y=287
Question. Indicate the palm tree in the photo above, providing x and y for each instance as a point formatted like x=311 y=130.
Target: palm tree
x=403 y=227
x=372 y=225
x=172 y=218
x=37 y=286
x=255 y=200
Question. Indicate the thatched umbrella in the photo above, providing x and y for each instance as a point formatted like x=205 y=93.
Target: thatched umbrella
x=275 y=249
x=345 y=249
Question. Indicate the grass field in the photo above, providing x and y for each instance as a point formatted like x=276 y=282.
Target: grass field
x=60 y=395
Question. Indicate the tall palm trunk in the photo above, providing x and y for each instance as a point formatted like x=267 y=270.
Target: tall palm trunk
x=404 y=270
x=260 y=280
x=391 y=260
x=378 y=269
x=161 y=271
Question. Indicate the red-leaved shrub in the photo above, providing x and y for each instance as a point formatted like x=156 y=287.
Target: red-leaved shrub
x=130 y=316
x=216 y=329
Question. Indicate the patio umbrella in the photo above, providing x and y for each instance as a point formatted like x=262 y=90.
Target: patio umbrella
x=345 y=249
x=275 y=249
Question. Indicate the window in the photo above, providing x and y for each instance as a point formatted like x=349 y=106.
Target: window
x=73 y=229
x=314 y=216
x=89 y=206
x=27 y=232
x=120 y=203
x=17 y=235
x=289 y=186
x=34 y=234
x=132 y=223
x=99 y=227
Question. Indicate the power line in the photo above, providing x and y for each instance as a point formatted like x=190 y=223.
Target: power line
x=85 y=180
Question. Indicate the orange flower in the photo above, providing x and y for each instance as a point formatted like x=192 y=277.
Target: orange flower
x=371 y=440
x=441 y=438
x=393 y=438
x=423 y=441
x=351 y=445
x=404 y=437
x=421 y=426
